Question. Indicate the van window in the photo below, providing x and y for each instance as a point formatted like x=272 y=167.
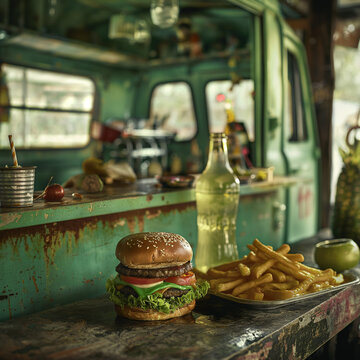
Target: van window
x=225 y=100
x=295 y=104
x=172 y=109
x=44 y=109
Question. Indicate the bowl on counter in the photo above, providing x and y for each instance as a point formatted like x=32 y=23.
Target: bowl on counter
x=176 y=181
x=338 y=254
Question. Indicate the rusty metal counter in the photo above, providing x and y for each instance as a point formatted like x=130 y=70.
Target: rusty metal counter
x=217 y=329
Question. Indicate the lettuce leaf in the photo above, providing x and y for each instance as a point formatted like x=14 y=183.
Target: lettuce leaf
x=142 y=292
x=156 y=301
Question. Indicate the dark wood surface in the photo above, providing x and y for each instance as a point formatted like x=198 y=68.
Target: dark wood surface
x=217 y=329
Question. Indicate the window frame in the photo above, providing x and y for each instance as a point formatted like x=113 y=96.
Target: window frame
x=95 y=110
x=228 y=79
x=297 y=100
x=192 y=102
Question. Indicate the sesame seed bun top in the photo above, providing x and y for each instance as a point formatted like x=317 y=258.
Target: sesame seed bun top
x=153 y=250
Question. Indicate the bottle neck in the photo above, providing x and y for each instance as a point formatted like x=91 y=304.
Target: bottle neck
x=218 y=151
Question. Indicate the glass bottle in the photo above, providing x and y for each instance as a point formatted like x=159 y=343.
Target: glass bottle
x=217 y=200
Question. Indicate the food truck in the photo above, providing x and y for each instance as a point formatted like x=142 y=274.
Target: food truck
x=129 y=91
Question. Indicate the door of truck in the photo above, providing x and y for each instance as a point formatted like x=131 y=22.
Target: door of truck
x=300 y=144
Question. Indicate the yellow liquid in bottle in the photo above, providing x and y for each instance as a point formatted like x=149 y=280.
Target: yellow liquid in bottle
x=216 y=231
x=217 y=199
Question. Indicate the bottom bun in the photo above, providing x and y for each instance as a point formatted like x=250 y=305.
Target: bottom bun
x=139 y=314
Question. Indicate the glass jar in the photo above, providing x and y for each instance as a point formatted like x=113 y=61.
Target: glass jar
x=217 y=200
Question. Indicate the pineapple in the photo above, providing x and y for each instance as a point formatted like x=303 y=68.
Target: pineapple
x=346 y=220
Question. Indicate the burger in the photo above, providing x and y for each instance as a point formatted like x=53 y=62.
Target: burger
x=154 y=280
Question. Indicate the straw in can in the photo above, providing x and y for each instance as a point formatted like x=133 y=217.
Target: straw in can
x=13 y=151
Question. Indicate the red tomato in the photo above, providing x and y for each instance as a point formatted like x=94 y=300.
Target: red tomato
x=54 y=192
x=184 y=279
x=139 y=281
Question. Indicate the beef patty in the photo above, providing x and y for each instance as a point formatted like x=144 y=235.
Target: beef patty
x=155 y=273
x=128 y=290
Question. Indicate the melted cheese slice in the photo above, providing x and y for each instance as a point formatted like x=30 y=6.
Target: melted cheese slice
x=148 y=290
x=146 y=286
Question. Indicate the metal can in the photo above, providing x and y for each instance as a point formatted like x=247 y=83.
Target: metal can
x=17 y=186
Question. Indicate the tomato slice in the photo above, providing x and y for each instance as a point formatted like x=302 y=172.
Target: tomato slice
x=140 y=281
x=184 y=279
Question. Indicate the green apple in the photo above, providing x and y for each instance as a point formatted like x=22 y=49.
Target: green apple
x=337 y=254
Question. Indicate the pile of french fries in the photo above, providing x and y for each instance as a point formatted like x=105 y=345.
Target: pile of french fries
x=265 y=274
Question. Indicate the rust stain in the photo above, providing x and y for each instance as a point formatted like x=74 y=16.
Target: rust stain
x=131 y=222
x=4 y=297
x=257 y=197
x=141 y=223
x=90 y=281
x=150 y=215
x=178 y=207
x=35 y=284
x=52 y=242
x=6 y=219
x=7 y=297
x=121 y=222
x=149 y=197
x=26 y=245
x=10 y=315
